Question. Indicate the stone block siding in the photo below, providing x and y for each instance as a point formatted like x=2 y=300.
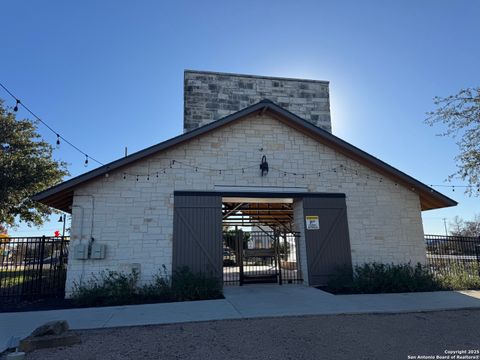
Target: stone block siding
x=299 y=226
x=135 y=218
x=210 y=96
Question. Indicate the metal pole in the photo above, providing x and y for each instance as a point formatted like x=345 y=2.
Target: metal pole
x=64 y=221
x=240 y=254
x=40 y=270
x=477 y=253
x=445 y=224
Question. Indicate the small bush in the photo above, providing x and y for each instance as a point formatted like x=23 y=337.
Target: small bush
x=190 y=286
x=459 y=277
x=372 y=278
x=114 y=288
x=159 y=290
x=109 y=288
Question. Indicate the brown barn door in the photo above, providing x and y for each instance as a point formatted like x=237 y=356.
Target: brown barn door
x=197 y=234
x=328 y=247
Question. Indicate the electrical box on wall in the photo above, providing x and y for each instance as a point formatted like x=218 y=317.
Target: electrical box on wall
x=98 y=251
x=80 y=252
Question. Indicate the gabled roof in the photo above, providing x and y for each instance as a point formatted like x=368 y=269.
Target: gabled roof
x=61 y=195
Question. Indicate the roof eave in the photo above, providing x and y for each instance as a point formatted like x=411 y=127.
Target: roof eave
x=430 y=198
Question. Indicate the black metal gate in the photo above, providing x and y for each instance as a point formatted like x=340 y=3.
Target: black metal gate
x=260 y=257
x=32 y=268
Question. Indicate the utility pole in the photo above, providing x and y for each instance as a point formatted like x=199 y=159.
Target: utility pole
x=445 y=224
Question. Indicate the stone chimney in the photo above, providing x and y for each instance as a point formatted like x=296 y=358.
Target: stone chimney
x=209 y=96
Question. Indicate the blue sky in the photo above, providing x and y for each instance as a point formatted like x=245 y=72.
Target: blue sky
x=109 y=74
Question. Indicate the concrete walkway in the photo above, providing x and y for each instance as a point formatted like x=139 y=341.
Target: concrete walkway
x=240 y=302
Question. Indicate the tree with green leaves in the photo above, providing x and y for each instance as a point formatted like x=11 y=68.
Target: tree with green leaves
x=26 y=167
x=460 y=114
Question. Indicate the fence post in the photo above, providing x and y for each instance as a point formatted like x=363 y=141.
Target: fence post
x=239 y=239
x=477 y=252
x=24 y=249
x=40 y=268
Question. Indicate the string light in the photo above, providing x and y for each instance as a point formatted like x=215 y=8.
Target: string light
x=19 y=103
x=354 y=171
x=60 y=138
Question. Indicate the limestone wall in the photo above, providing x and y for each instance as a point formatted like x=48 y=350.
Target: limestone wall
x=134 y=218
x=209 y=96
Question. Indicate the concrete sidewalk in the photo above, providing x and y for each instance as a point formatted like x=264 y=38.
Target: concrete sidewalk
x=240 y=302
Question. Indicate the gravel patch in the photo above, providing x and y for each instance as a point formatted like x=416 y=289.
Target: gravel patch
x=375 y=336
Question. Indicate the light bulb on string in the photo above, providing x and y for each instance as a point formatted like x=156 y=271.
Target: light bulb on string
x=58 y=141
x=86 y=161
x=16 y=105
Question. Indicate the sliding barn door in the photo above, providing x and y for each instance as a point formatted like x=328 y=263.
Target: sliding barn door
x=197 y=234
x=328 y=244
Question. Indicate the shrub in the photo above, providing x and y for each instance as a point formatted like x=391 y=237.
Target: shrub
x=371 y=278
x=109 y=288
x=115 y=288
x=159 y=290
x=187 y=285
x=459 y=277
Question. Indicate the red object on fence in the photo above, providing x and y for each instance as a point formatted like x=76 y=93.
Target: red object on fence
x=57 y=233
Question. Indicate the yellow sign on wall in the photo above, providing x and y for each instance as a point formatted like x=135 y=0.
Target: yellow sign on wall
x=312 y=222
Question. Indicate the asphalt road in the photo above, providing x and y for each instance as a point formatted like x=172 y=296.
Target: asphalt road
x=385 y=336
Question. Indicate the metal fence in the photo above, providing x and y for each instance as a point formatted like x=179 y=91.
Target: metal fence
x=260 y=257
x=453 y=254
x=32 y=268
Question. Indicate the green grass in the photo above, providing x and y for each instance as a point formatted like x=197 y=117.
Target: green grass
x=10 y=278
x=26 y=282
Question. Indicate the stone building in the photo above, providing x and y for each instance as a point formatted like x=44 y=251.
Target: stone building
x=257 y=158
